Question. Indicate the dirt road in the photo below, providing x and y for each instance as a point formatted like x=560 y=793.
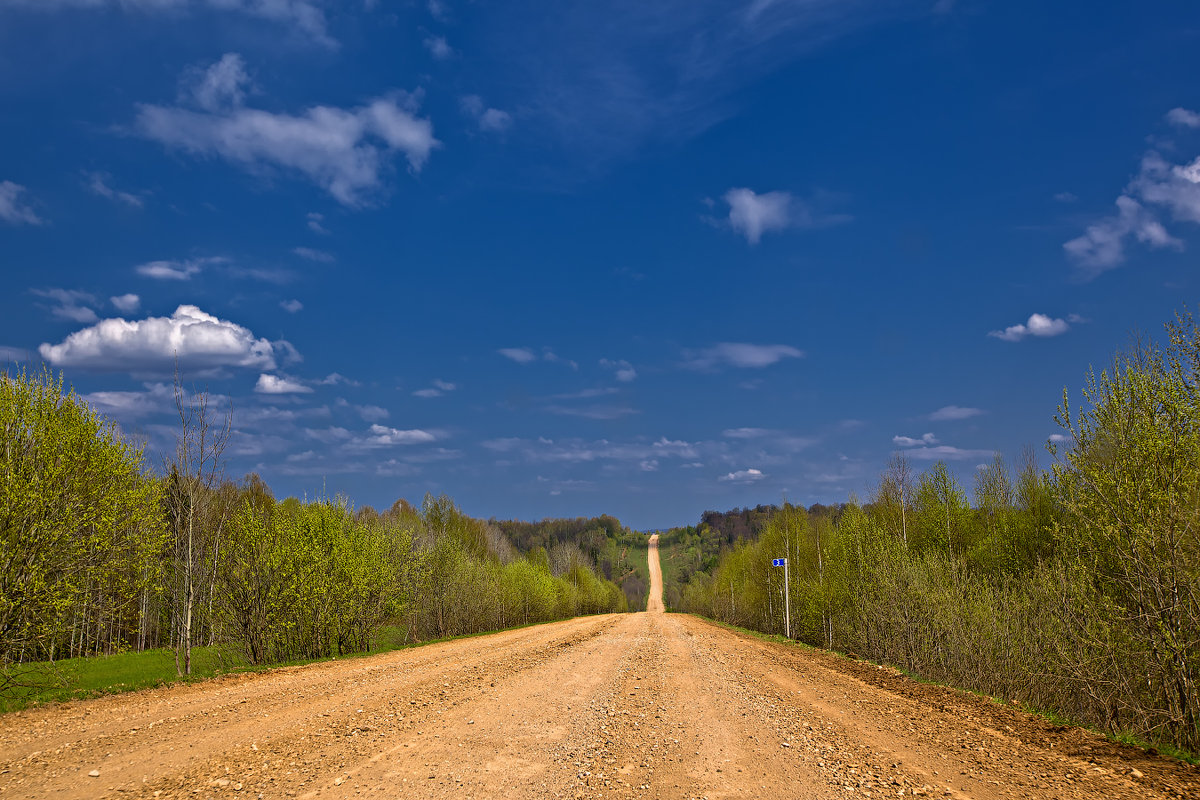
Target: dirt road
x=654 y=601
x=637 y=705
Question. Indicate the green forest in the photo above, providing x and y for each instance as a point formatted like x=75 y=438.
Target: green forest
x=103 y=555
x=1074 y=591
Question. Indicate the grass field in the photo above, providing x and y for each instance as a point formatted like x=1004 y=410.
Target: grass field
x=77 y=678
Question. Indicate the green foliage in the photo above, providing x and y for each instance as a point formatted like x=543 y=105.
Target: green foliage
x=1130 y=487
x=80 y=528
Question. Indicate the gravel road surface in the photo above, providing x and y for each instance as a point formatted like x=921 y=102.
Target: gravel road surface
x=636 y=705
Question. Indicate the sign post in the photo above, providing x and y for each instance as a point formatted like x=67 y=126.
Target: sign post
x=787 y=599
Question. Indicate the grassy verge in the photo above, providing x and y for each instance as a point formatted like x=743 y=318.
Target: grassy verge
x=1120 y=737
x=96 y=676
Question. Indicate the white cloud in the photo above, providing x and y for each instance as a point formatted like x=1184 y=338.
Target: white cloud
x=740 y=354
x=126 y=303
x=200 y=342
x=1159 y=186
x=1183 y=118
x=97 y=184
x=946 y=453
x=577 y=450
x=280 y=384
x=953 y=413
x=383 y=436
x=316 y=223
x=158 y=398
x=222 y=85
x=69 y=304
x=1066 y=197
x=439 y=10
x=305 y=16
x=752 y=214
x=623 y=370
x=593 y=411
x=492 y=120
x=291 y=306
x=176 y=270
x=1037 y=325
x=12 y=209
x=1102 y=245
x=744 y=433
x=310 y=254
x=1059 y=438
x=438 y=47
x=743 y=476
x=439 y=388
x=649 y=465
x=908 y=441
x=335 y=378
x=372 y=413
x=344 y=151
x=521 y=355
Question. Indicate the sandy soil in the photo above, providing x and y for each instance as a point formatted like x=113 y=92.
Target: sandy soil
x=636 y=705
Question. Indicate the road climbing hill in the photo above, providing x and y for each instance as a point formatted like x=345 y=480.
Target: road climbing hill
x=647 y=705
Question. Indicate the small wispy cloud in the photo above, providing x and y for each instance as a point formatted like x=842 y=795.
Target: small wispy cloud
x=744 y=433
x=316 y=223
x=1183 y=118
x=739 y=354
x=97 y=184
x=126 y=303
x=438 y=47
x=752 y=214
x=1038 y=325
x=946 y=453
x=743 y=476
x=526 y=355
x=908 y=441
x=311 y=254
x=946 y=413
x=184 y=270
x=291 y=306
x=521 y=355
x=69 y=304
x=13 y=209
x=280 y=384
x=622 y=370
x=438 y=389
x=488 y=119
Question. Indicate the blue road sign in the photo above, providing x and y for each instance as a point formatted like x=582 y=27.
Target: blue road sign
x=778 y=562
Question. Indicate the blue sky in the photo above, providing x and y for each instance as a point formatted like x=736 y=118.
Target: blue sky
x=569 y=258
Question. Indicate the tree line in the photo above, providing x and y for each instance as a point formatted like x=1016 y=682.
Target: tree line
x=101 y=553
x=1075 y=590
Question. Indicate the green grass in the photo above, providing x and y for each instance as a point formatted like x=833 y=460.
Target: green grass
x=93 y=676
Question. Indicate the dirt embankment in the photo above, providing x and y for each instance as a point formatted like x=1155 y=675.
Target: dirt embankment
x=637 y=705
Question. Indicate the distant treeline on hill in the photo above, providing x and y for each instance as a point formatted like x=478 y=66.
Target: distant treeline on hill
x=748 y=523
x=602 y=543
